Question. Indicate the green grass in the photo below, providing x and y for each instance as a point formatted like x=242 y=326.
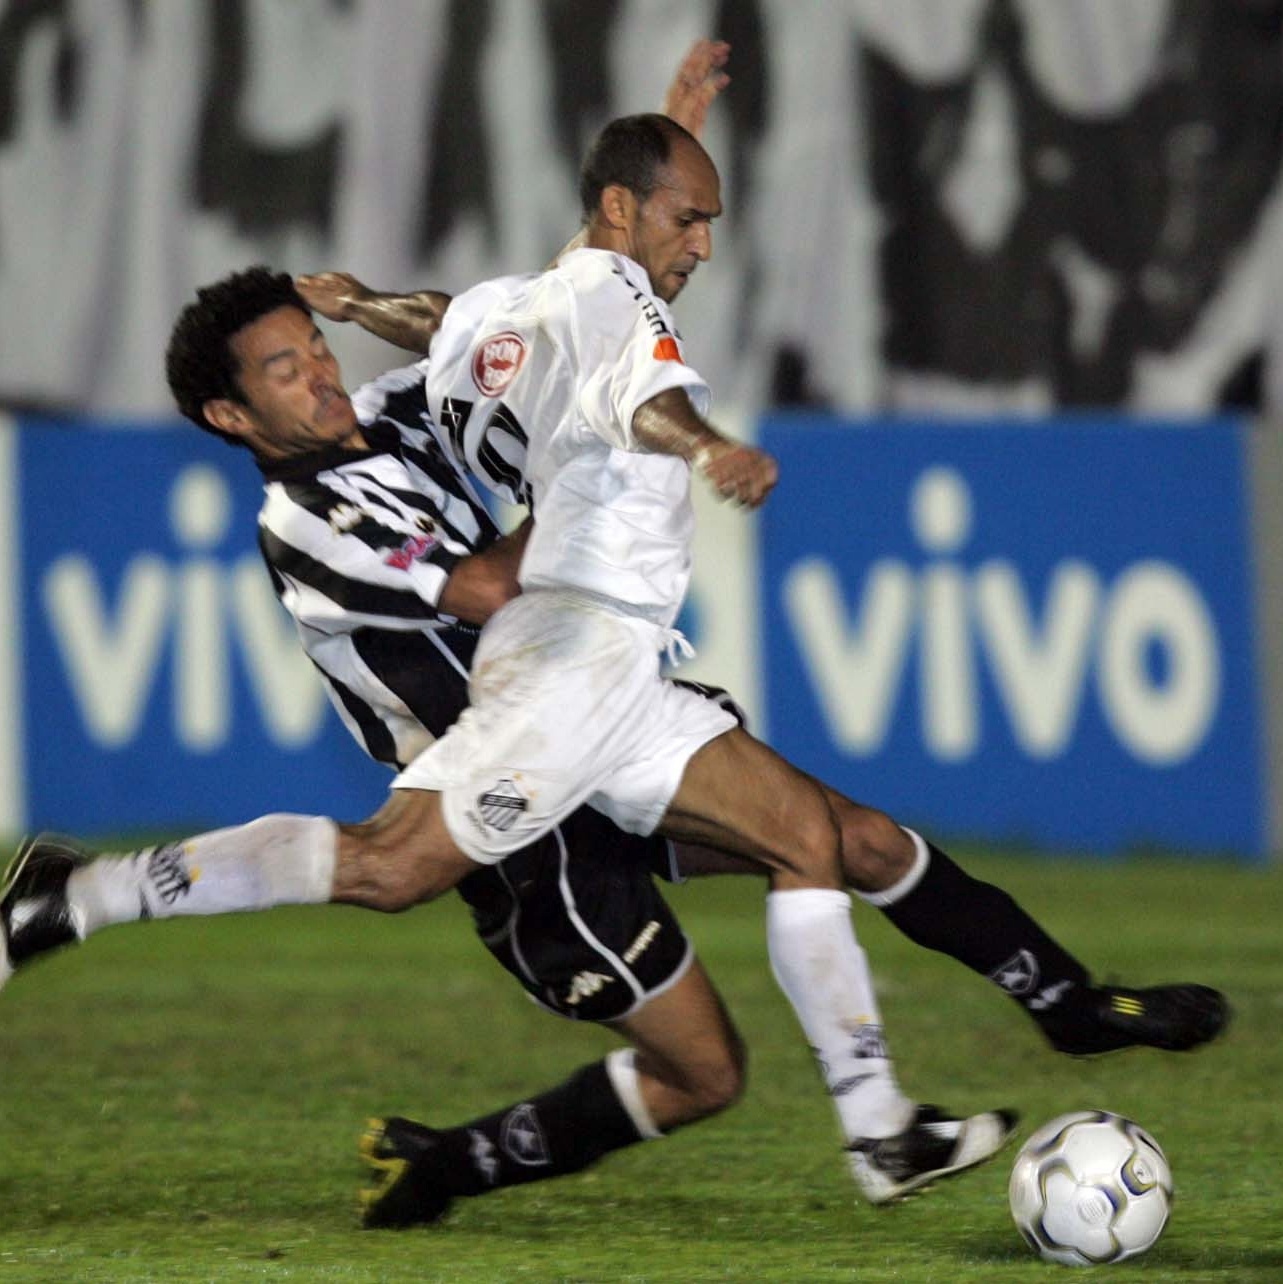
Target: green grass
x=181 y=1100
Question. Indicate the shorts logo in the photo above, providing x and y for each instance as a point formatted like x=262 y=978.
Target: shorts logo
x=501 y=806
x=522 y=1138
x=1018 y=975
x=585 y=985
x=640 y=945
x=496 y=362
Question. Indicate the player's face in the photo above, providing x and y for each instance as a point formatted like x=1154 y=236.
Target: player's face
x=672 y=233
x=292 y=387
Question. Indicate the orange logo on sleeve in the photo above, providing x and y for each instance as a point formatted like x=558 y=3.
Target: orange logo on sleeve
x=666 y=350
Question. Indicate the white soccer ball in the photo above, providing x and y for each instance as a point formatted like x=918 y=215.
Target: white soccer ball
x=1090 y=1187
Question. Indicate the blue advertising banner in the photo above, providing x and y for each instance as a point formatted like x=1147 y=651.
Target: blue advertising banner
x=1039 y=634
x=161 y=683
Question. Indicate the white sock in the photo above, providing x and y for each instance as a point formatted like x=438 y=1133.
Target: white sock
x=275 y=860
x=822 y=969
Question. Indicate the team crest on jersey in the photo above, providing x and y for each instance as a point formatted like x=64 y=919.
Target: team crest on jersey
x=500 y=806
x=496 y=362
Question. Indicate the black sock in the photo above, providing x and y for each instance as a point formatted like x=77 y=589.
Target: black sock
x=558 y=1132
x=982 y=926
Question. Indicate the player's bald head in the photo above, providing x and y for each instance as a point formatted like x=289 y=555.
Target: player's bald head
x=632 y=152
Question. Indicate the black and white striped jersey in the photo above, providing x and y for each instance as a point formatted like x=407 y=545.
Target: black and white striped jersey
x=360 y=545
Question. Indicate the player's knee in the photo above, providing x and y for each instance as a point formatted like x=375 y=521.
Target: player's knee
x=720 y=1082
x=814 y=850
x=876 y=852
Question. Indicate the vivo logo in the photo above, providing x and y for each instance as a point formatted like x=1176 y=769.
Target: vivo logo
x=112 y=650
x=1145 y=643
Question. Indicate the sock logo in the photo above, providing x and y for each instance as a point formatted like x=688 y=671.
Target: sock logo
x=482 y=1153
x=1018 y=975
x=869 y=1043
x=522 y=1138
x=168 y=874
x=1049 y=996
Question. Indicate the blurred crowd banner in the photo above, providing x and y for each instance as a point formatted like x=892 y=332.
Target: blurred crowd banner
x=992 y=204
x=1038 y=634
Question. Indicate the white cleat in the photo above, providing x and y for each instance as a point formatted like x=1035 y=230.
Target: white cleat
x=935 y=1145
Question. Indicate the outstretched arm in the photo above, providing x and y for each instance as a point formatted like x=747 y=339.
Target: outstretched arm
x=407 y=320
x=669 y=425
x=699 y=80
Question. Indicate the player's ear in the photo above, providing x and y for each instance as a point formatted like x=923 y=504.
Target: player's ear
x=618 y=207
x=228 y=416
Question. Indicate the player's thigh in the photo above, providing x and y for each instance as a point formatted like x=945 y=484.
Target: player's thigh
x=578 y=920
x=740 y=795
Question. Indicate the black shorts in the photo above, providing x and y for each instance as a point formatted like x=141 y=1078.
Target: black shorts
x=578 y=920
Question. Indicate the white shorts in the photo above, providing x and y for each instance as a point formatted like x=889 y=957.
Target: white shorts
x=568 y=707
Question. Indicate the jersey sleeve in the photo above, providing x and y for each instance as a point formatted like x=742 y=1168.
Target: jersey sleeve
x=353 y=566
x=627 y=350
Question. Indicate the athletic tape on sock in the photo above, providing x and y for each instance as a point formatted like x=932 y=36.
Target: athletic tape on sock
x=900 y=889
x=621 y=1066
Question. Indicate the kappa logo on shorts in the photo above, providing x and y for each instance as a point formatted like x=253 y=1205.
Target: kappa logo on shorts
x=501 y=806
x=584 y=985
x=522 y=1138
x=1018 y=975
x=496 y=362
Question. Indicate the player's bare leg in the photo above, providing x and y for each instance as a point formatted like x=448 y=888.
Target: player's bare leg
x=57 y=892
x=740 y=795
x=941 y=907
x=686 y=1063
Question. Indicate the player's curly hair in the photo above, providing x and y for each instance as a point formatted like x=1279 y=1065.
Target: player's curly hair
x=199 y=364
x=628 y=152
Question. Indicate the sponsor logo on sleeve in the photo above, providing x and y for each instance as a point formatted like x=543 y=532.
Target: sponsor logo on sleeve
x=666 y=349
x=496 y=362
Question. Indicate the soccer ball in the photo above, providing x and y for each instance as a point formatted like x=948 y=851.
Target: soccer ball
x=1090 y=1187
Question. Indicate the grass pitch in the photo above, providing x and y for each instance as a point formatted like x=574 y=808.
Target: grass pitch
x=181 y=1100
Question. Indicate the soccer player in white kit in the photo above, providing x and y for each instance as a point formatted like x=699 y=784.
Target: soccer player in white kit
x=567 y=389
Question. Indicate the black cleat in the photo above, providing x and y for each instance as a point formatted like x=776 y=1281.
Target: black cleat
x=35 y=916
x=1107 y=1018
x=935 y=1145
x=404 y=1159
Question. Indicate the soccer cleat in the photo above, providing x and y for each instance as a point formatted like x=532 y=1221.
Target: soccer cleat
x=404 y=1159
x=935 y=1145
x=1175 y=1018
x=35 y=915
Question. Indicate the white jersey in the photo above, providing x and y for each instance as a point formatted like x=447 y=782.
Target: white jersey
x=535 y=379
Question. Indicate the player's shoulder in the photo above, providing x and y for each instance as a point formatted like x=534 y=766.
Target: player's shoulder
x=604 y=270
x=392 y=389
